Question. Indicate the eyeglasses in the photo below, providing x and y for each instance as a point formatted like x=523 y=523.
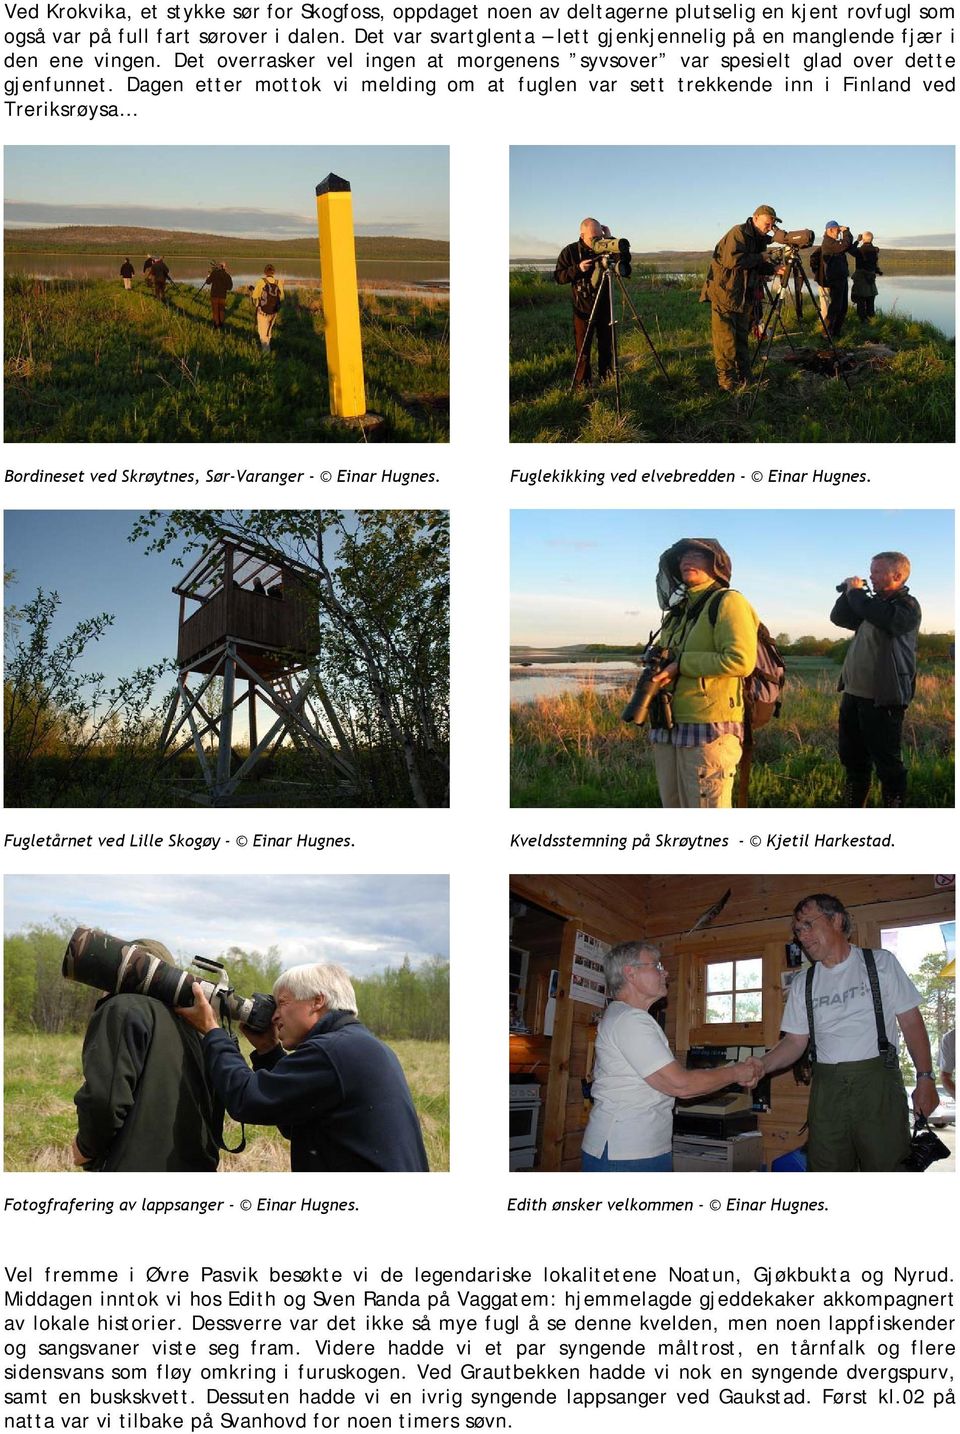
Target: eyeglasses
x=800 y=928
x=650 y=965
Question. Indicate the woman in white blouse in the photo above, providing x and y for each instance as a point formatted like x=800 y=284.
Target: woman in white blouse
x=636 y=1077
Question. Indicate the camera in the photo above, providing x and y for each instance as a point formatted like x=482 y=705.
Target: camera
x=655 y=660
x=794 y=238
x=613 y=254
x=925 y=1147
x=94 y=958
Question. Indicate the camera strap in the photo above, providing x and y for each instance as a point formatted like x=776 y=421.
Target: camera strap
x=884 y=1047
x=687 y=620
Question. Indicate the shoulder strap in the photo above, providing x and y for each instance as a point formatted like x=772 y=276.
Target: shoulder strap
x=884 y=1047
x=808 y=994
x=688 y=620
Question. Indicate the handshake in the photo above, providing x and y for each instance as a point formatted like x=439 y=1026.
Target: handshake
x=747 y=1073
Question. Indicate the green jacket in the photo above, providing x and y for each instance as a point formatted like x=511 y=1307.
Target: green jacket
x=145 y=1104
x=738 y=263
x=714 y=660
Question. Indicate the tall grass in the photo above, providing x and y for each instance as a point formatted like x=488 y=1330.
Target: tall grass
x=574 y=751
x=906 y=397
x=42 y=1072
x=86 y=361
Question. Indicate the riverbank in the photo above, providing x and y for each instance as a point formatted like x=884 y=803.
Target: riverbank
x=901 y=379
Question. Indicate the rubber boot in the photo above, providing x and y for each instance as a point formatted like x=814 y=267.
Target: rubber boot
x=894 y=794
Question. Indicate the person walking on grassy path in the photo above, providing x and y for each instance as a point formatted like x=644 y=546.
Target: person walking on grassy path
x=866 y=257
x=220 y=285
x=160 y=275
x=267 y=296
x=576 y=266
x=126 y=273
x=732 y=286
x=148 y=264
x=878 y=678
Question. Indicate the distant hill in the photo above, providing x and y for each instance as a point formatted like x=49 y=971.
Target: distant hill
x=120 y=240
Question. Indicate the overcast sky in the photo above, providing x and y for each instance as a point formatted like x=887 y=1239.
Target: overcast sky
x=254 y=191
x=580 y=575
x=366 y=923
x=685 y=196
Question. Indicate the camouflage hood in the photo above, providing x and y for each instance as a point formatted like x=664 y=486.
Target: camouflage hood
x=669 y=582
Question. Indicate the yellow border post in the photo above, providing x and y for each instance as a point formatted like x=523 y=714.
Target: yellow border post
x=341 y=302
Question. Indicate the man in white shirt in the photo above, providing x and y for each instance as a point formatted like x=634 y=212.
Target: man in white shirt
x=857 y=1119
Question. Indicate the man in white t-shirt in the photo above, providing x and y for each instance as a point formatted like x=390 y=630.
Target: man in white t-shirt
x=857 y=1119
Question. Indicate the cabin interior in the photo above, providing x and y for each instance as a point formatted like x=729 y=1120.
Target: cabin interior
x=728 y=983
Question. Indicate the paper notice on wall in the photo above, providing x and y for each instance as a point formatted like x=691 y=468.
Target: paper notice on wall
x=588 y=982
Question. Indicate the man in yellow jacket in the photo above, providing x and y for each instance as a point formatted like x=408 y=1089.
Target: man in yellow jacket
x=711 y=632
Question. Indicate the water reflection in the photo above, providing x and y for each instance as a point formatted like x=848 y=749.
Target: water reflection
x=193 y=269
x=549 y=679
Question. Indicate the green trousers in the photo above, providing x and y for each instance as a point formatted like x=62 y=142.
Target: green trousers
x=730 y=335
x=858 y=1118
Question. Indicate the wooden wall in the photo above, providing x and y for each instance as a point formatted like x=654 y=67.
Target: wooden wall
x=756 y=919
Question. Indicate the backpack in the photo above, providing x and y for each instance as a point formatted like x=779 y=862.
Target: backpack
x=816 y=264
x=269 y=301
x=763 y=688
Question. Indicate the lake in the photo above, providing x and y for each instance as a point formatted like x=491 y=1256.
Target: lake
x=193 y=269
x=929 y=297
x=528 y=682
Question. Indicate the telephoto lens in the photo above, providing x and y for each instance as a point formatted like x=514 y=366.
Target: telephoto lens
x=95 y=958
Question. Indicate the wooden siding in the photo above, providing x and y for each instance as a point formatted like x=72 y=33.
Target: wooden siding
x=289 y=625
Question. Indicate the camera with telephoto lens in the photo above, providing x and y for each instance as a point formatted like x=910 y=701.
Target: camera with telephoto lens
x=94 y=958
x=925 y=1147
x=647 y=690
x=612 y=254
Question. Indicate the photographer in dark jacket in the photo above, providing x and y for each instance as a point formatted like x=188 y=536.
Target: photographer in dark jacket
x=734 y=284
x=145 y=1104
x=337 y=1093
x=878 y=678
x=834 y=273
x=575 y=266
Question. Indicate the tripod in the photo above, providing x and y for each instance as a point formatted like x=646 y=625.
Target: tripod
x=796 y=276
x=604 y=295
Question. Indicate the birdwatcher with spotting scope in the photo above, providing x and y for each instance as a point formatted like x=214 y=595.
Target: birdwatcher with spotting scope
x=691 y=686
x=579 y=266
x=734 y=290
x=335 y=1091
x=878 y=678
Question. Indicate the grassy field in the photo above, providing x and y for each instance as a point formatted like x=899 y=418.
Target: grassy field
x=574 y=751
x=121 y=240
x=86 y=361
x=42 y=1073
x=906 y=397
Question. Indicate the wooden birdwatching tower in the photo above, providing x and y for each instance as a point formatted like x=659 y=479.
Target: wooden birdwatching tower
x=249 y=617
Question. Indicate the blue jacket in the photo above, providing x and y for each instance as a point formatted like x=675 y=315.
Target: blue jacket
x=340 y=1097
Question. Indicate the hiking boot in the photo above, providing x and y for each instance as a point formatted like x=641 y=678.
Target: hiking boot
x=856 y=791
